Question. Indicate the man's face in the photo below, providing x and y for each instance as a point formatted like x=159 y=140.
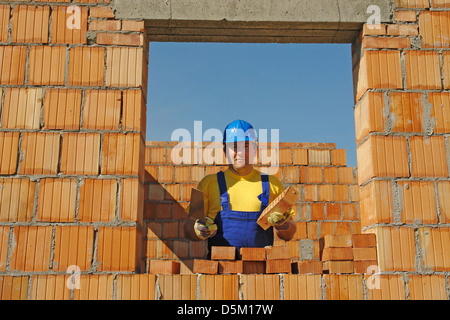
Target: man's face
x=241 y=154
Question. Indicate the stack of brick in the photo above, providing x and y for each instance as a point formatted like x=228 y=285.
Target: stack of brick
x=268 y=260
x=352 y=253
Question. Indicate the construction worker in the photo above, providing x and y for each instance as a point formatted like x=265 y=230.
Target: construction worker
x=235 y=198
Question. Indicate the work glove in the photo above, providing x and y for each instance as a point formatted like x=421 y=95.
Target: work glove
x=277 y=219
x=205 y=230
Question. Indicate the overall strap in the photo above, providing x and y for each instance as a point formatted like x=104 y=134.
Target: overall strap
x=224 y=198
x=265 y=196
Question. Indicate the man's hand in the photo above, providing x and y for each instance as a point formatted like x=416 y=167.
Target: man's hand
x=205 y=230
x=277 y=219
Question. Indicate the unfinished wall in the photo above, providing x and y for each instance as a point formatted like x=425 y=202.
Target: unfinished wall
x=80 y=191
x=402 y=126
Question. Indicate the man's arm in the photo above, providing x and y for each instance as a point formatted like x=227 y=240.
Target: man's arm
x=287 y=230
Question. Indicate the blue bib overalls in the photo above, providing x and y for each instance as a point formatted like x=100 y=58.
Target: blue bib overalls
x=239 y=228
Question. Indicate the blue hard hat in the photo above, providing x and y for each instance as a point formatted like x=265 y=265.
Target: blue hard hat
x=239 y=130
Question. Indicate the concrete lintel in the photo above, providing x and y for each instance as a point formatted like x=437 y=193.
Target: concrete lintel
x=318 y=11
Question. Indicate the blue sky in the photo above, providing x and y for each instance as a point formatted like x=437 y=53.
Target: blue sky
x=304 y=90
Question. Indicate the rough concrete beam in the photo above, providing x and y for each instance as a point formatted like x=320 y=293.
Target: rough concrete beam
x=320 y=11
x=261 y=21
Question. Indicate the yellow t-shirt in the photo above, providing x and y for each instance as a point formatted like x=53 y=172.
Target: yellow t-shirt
x=243 y=192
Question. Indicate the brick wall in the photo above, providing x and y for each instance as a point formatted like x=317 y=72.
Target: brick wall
x=73 y=113
x=81 y=193
x=402 y=119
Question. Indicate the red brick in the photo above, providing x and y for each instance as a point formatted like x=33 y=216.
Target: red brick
x=319 y=157
x=120 y=39
x=330 y=175
x=341 y=193
x=419 y=63
x=309 y=266
x=90 y=208
x=382 y=156
x=260 y=287
x=315 y=175
x=9 y=147
x=378 y=70
x=22 y=108
x=338 y=266
x=428 y=157
x=396 y=248
x=443 y=190
x=101 y=12
x=4 y=236
x=427 y=287
x=16 y=199
x=62 y=109
x=30 y=24
x=132 y=200
x=134 y=111
x=110 y=258
x=14 y=60
x=253 y=267
x=125 y=67
x=4 y=22
x=164 y=267
x=102 y=109
x=121 y=153
x=333 y=211
x=440 y=110
x=74 y=245
x=433 y=28
x=433 y=242
x=336 y=241
x=105 y=25
x=134 y=286
x=47 y=65
x=365 y=267
x=40 y=152
x=376 y=204
x=278 y=266
x=385 y=42
x=205 y=266
x=364 y=254
x=300 y=156
x=57 y=200
x=302 y=287
x=391 y=287
x=278 y=253
x=50 y=287
x=403 y=30
x=405 y=16
x=336 y=254
x=253 y=254
x=86 y=66
x=404 y=106
x=368 y=117
x=32 y=248
x=343 y=287
x=80 y=153
x=231 y=266
x=95 y=287
x=132 y=25
x=223 y=253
